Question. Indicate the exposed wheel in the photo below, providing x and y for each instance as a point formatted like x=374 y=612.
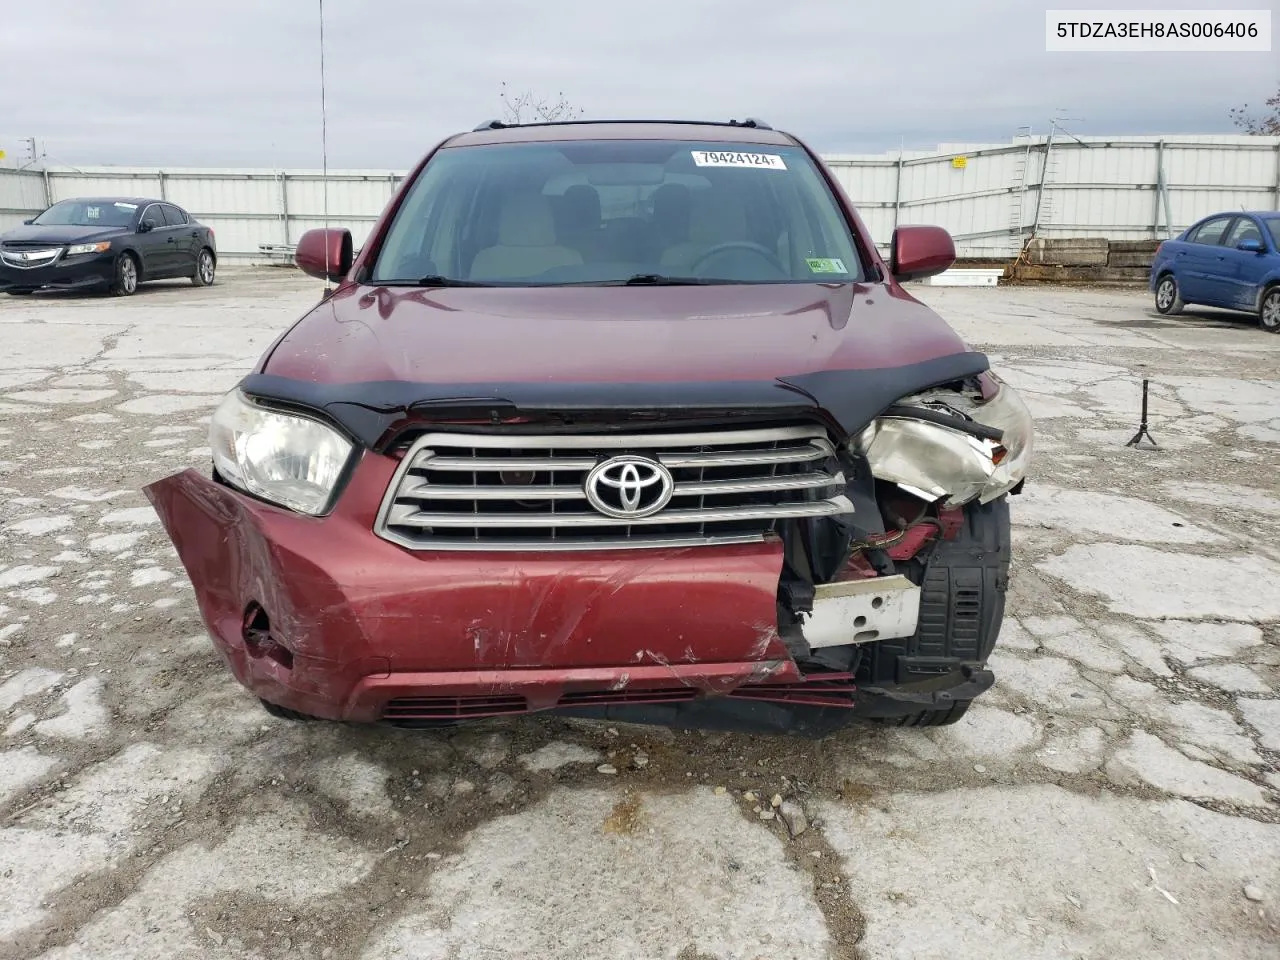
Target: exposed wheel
x=284 y=713
x=126 y=282
x=929 y=718
x=205 y=266
x=1168 y=296
x=1269 y=311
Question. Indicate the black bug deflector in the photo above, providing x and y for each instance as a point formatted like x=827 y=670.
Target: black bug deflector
x=370 y=411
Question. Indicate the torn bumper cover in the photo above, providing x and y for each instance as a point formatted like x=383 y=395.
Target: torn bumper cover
x=319 y=615
x=319 y=609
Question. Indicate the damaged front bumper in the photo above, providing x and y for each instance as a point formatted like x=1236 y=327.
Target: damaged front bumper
x=797 y=630
x=320 y=616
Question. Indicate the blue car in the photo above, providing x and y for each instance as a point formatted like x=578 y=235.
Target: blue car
x=1229 y=260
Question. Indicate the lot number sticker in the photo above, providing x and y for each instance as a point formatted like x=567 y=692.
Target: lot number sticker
x=723 y=158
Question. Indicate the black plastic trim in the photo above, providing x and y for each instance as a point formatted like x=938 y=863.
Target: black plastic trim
x=749 y=122
x=369 y=410
x=979 y=430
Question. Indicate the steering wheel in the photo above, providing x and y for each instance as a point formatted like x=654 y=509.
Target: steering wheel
x=745 y=245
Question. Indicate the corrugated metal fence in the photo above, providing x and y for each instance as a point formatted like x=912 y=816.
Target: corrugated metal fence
x=991 y=197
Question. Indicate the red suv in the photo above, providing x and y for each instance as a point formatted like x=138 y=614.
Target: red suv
x=622 y=420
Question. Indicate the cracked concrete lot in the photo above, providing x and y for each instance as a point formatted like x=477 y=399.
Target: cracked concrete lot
x=1116 y=795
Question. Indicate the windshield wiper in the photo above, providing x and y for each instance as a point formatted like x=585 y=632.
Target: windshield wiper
x=660 y=280
x=433 y=280
x=436 y=280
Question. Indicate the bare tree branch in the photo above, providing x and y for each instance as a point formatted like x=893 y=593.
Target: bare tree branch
x=527 y=107
x=1266 y=125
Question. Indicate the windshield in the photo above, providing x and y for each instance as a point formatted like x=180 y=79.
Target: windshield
x=618 y=211
x=88 y=213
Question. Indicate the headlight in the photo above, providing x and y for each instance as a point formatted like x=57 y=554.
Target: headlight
x=288 y=459
x=936 y=461
x=78 y=248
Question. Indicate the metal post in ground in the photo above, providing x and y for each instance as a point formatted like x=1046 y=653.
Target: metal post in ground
x=284 y=207
x=897 y=192
x=1155 y=220
x=1278 y=176
x=1142 y=427
x=1168 y=210
x=1044 y=179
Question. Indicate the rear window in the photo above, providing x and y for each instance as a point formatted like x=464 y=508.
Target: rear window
x=1211 y=231
x=600 y=212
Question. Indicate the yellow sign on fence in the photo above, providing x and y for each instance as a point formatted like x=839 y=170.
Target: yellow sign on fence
x=959 y=162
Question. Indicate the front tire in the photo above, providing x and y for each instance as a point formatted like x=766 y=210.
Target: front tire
x=1168 y=297
x=284 y=713
x=126 y=281
x=929 y=718
x=205 y=267
x=1269 y=311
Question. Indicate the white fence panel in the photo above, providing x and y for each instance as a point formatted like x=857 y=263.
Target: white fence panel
x=22 y=196
x=990 y=196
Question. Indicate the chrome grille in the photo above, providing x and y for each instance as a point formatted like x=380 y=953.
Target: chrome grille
x=457 y=491
x=27 y=256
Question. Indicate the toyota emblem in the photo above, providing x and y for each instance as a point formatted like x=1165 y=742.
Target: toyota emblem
x=629 y=487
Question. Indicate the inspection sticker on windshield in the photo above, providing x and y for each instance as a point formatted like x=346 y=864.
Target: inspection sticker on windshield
x=825 y=265
x=725 y=158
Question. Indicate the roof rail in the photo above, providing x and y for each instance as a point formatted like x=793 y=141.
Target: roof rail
x=749 y=122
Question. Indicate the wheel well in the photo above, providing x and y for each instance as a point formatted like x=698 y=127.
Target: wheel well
x=212 y=252
x=1266 y=289
x=137 y=260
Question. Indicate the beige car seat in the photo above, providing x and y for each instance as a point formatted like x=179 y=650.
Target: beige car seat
x=714 y=218
x=526 y=244
x=580 y=221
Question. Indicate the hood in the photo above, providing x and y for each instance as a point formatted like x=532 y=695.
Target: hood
x=608 y=334
x=57 y=235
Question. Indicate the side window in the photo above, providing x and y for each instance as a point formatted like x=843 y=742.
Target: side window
x=173 y=216
x=154 y=216
x=1244 y=229
x=1212 y=231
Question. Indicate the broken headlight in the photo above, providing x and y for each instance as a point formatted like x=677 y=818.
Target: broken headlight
x=285 y=458
x=952 y=446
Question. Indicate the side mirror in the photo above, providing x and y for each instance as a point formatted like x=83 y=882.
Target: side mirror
x=920 y=251
x=27 y=223
x=325 y=253
x=145 y=226
x=1251 y=246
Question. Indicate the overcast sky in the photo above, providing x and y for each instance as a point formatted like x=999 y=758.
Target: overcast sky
x=236 y=82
